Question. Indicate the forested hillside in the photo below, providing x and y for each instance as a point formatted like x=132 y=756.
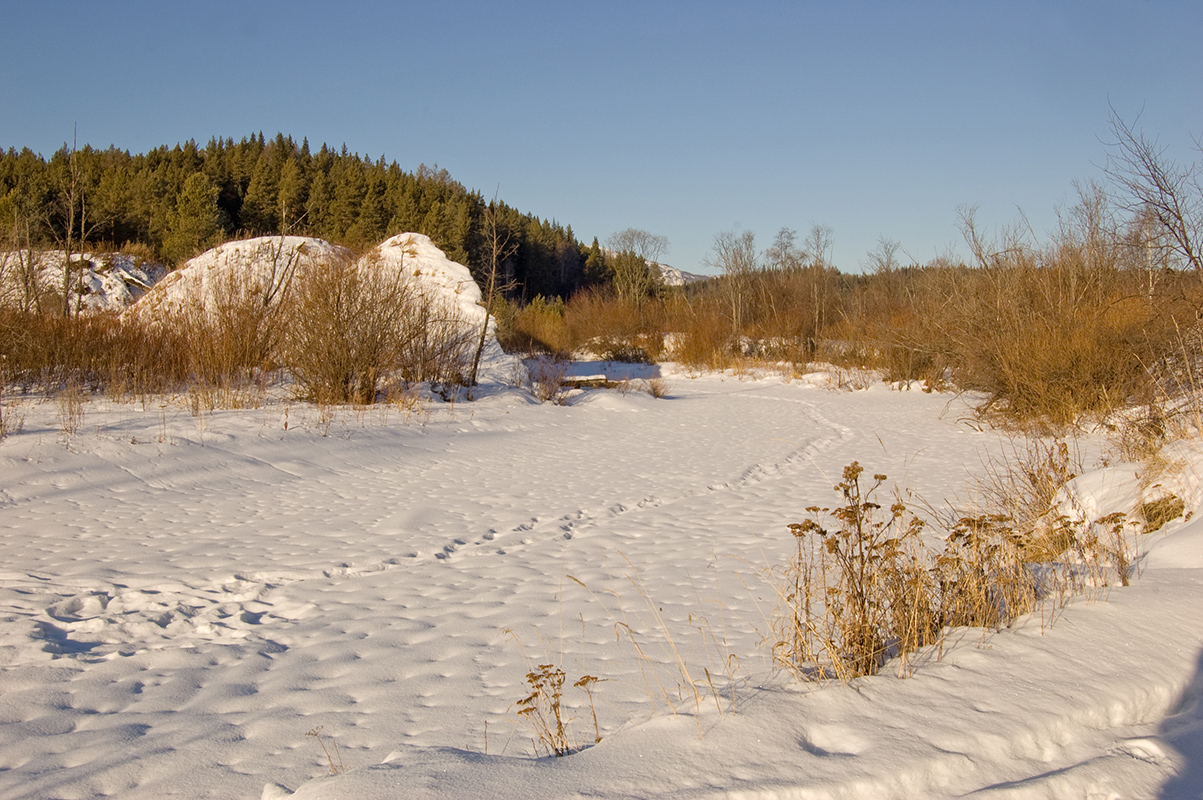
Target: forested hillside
x=180 y=200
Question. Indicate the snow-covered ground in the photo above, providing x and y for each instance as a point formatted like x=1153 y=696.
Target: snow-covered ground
x=184 y=599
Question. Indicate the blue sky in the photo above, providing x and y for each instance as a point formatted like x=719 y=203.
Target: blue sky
x=685 y=119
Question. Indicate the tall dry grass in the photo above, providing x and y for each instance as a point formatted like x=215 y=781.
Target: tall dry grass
x=865 y=584
x=44 y=352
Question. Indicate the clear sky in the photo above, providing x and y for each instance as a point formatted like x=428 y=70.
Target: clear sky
x=682 y=118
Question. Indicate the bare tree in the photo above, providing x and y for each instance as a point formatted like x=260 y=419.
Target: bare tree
x=636 y=263
x=1153 y=185
x=648 y=246
x=818 y=247
x=883 y=258
x=500 y=248
x=73 y=199
x=783 y=254
x=735 y=254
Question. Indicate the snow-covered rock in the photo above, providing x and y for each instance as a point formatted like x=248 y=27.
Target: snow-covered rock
x=106 y=281
x=434 y=273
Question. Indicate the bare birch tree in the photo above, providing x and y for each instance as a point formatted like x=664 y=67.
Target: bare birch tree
x=500 y=248
x=1165 y=192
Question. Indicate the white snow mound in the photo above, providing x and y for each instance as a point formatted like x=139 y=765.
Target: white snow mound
x=267 y=266
x=430 y=268
x=263 y=265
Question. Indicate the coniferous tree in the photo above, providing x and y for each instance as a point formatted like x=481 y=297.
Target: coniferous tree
x=259 y=213
x=291 y=195
x=595 y=271
x=196 y=222
x=349 y=187
x=271 y=186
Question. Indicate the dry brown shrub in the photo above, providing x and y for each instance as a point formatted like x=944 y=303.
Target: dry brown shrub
x=350 y=324
x=615 y=328
x=700 y=333
x=436 y=344
x=347 y=327
x=546 y=379
x=1057 y=332
x=864 y=586
x=857 y=590
x=538 y=327
x=228 y=343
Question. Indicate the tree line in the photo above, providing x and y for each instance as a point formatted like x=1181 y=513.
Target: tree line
x=180 y=200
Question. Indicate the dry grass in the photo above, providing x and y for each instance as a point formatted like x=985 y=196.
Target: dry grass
x=1022 y=481
x=664 y=649
x=70 y=401
x=657 y=387
x=856 y=592
x=331 y=753
x=541 y=708
x=864 y=586
x=546 y=379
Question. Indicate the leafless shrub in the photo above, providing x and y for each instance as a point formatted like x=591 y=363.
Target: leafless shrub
x=70 y=401
x=537 y=327
x=12 y=419
x=232 y=322
x=614 y=328
x=347 y=324
x=545 y=376
x=701 y=336
x=435 y=343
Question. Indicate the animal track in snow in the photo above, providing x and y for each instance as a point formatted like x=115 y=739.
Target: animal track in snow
x=572 y=524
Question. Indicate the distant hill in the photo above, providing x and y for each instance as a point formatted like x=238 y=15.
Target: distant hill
x=675 y=277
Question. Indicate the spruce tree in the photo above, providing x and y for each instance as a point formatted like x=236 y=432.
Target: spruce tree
x=291 y=195
x=260 y=213
x=196 y=223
